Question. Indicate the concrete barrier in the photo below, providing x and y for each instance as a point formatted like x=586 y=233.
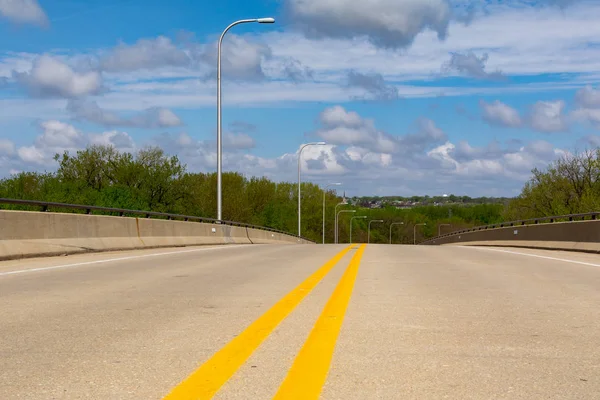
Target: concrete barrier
x=34 y=234
x=571 y=236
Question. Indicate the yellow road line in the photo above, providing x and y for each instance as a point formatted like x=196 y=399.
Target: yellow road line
x=307 y=375
x=210 y=376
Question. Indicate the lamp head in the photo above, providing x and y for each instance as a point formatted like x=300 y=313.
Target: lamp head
x=266 y=20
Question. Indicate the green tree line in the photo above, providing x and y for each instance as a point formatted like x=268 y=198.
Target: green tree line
x=569 y=185
x=152 y=180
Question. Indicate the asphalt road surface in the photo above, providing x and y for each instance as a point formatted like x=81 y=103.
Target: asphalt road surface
x=302 y=322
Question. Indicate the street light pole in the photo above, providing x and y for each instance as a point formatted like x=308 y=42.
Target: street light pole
x=324 y=193
x=336 y=221
x=394 y=223
x=299 y=194
x=369 y=230
x=415 y=232
x=440 y=228
x=338 y=216
x=219 y=123
x=352 y=219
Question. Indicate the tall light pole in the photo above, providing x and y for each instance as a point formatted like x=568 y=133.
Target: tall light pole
x=415 y=232
x=336 y=220
x=440 y=228
x=369 y=231
x=338 y=216
x=219 y=124
x=299 y=195
x=324 y=193
x=394 y=223
x=352 y=219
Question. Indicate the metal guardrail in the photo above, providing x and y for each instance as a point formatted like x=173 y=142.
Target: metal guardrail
x=532 y=221
x=47 y=205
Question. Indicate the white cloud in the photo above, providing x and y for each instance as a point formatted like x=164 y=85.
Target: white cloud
x=592 y=140
x=436 y=168
x=493 y=162
x=240 y=58
x=374 y=84
x=557 y=42
x=33 y=155
x=588 y=100
x=294 y=71
x=57 y=134
x=237 y=141
x=548 y=116
x=386 y=23
x=471 y=65
x=23 y=11
x=428 y=134
x=591 y=115
x=348 y=128
x=588 y=97
x=50 y=77
x=56 y=138
x=7 y=148
x=145 y=54
x=498 y=113
x=116 y=139
x=150 y=118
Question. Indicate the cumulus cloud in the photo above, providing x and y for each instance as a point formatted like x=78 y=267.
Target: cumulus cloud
x=493 y=161
x=116 y=139
x=548 y=116
x=386 y=23
x=295 y=71
x=592 y=140
x=56 y=137
x=57 y=134
x=463 y=151
x=145 y=54
x=590 y=115
x=374 y=84
x=7 y=148
x=470 y=65
x=343 y=127
x=240 y=58
x=238 y=141
x=23 y=12
x=588 y=101
x=150 y=118
x=543 y=116
x=428 y=134
x=498 y=113
x=340 y=127
x=429 y=164
x=588 y=97
x=50 y=77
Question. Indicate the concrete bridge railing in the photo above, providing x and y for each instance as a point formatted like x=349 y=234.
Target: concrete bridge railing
x=576 y=232
x=34 y=233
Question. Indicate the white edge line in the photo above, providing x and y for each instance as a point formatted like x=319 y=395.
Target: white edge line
x=533 y=255
x=23 y=271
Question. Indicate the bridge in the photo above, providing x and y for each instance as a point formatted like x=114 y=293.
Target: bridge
x=489 y=314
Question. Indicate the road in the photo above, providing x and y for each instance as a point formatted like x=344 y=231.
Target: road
x=302 y=321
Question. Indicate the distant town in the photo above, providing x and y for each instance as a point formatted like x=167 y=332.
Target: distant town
x=400 y=202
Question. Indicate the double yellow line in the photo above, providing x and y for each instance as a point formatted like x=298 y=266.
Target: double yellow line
x=307 y=375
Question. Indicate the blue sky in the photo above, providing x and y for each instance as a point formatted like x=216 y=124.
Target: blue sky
x=411 y=96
